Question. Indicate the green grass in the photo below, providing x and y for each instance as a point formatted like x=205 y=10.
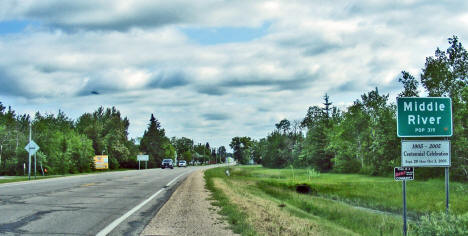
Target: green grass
x=381 y=193
x=357 y=220
x=12 y=179
x=235 y=217
x=25 y=178
x=336 y=199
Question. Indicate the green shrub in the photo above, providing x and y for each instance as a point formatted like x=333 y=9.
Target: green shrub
x=439 y=224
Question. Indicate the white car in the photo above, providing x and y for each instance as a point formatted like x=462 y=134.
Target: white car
x=182 y=163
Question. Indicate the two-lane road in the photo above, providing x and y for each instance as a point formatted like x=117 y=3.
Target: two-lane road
x=115 y=202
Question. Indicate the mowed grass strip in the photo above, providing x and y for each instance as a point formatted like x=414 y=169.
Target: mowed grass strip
x=269 y=217
x=255 y=213
x=270 y=214
x=235 y=217
x=380 y=193
x=23 y=178
x=13 y=179
x=359 y=220
x=269 y=204
x=262 y=215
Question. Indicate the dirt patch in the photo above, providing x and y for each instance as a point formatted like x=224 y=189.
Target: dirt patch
x=188 y=212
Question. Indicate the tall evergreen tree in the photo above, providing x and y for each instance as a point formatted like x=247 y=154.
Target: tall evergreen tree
x=153 y=142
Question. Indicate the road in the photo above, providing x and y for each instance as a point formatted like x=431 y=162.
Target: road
x=87 y=204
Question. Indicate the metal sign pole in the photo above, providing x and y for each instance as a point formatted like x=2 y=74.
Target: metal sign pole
x=29 y=154
x=404 y=209
x=138 y=164
x=35 y=165
x=447 y=189
x=42 y=169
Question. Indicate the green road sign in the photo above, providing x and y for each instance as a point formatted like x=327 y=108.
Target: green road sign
x=424 y=117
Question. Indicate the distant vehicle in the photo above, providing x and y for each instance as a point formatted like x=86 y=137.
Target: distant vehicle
x=182 y=163
x=167 y=163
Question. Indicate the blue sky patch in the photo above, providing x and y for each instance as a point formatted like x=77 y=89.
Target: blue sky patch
x=220 y=35
x=14 y=26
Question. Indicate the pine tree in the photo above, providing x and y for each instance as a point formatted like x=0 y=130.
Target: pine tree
x=327 y=105
x=153 y=142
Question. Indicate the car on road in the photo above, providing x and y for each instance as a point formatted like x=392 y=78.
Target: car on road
x=167 y=163
x=182 y=163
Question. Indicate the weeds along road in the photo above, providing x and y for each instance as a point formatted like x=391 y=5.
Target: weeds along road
x=118 y=203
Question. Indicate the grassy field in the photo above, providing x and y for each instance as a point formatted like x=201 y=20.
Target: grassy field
x=12 y=179
x=264 y=201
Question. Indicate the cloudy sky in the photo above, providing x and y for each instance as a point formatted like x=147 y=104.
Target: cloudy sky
x=211 y=70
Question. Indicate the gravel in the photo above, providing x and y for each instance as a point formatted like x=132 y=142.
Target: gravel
x=189 y=212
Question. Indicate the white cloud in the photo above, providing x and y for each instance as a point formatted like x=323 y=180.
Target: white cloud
x=136 y=57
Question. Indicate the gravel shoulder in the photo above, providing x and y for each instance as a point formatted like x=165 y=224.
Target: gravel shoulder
x=189 y=212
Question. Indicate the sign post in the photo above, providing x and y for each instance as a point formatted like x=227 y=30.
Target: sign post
x=424 y=117
x=144 y=158
x=35 y=166
x=447 y=190
x=405 y=224
x=403 y=174
x=31 y=148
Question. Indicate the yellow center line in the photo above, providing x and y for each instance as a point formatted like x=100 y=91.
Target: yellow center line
x=87 y=185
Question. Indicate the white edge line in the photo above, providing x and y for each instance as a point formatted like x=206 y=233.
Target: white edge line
x=172 y=181
x=119 y=220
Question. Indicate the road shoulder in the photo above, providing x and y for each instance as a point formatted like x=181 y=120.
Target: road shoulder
x=188 y=212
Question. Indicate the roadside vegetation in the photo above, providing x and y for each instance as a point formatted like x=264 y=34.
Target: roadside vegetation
x=362 y=138
x=262 y=201
x=12 y=179
x=68 y=146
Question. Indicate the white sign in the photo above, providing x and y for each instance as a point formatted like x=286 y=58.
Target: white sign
x=32 y=147
x=425 y=153
x=142 y=158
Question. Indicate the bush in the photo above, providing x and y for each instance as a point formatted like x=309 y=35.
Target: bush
x=443 y=224
x=347 y=165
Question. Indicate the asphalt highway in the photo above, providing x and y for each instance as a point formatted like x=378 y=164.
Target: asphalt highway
x=113 y=203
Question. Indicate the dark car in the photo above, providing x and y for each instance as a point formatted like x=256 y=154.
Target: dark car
x=167 y=163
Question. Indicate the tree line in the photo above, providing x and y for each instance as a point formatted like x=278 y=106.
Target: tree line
x=68 y=146
x=362 y=138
